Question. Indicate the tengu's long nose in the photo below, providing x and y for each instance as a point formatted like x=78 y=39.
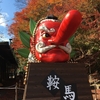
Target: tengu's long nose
x=68 y=27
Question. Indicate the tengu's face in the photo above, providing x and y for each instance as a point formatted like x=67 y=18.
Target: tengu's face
x=51 y=38
x=45 y=51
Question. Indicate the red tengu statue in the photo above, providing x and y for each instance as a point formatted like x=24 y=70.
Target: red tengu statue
x=50 y=40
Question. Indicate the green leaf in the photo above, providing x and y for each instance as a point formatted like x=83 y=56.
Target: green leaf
x=72 y=54
x=32 y=25
x=24 y=52
x=25 y=38
x=71 y=39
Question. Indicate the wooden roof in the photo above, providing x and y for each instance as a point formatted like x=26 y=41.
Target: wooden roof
x=6 y=53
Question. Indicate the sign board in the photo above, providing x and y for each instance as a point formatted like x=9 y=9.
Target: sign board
x=58 y=81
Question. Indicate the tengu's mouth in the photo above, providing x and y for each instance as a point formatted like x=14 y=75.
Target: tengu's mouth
x=42 y=48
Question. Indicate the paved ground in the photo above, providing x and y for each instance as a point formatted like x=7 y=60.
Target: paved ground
x=10 y=94
x=6 y=94
x=96 y=94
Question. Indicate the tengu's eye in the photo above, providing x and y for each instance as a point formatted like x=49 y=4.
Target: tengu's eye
x=46 y=35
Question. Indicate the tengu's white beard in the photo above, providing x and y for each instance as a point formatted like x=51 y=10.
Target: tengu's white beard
x=42 y=48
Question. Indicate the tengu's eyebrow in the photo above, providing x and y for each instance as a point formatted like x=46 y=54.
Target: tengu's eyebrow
x=44 y=28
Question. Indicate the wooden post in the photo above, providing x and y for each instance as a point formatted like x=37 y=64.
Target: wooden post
x=16 y=92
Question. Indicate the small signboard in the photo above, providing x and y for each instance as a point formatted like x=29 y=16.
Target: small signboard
x=68 y=92
x=54 y=83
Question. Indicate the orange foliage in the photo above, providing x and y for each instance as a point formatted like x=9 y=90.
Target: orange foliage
x=37 y=9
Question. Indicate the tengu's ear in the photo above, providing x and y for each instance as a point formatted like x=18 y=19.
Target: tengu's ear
x=52 y=17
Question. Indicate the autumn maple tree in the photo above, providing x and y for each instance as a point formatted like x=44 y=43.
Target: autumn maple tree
x=87 y=38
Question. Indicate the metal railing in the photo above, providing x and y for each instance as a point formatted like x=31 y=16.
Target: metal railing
x=13 y=87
